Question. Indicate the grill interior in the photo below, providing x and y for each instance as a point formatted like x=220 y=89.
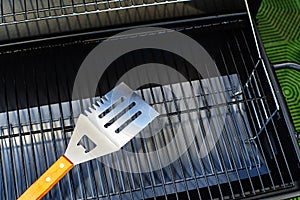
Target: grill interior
x=252 y=156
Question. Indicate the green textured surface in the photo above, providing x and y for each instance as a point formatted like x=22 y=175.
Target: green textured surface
x=295 y=198
x=289 y=80
x=279 y=27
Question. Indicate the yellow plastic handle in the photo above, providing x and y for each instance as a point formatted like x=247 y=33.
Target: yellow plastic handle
x=46 y=182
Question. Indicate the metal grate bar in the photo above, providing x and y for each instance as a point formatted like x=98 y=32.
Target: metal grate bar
x=244 y=64
x=162 y=173
x=189 y=159
x=236 y=122
x=253 y=123
x=150 y=174
x=11 y=142
x=19 y=11
x=70 y=180
x=212 y=165
x=240 y=149
x=196 y=142
x=219 y=150
x=247 y=104
x=229 y=182
x=190 y=118
x=267 y=112
x=173 y=134
x=262 y=112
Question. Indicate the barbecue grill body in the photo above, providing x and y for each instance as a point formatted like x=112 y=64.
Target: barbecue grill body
x=257 y=155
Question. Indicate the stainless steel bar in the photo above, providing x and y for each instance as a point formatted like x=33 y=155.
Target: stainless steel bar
x=259 y=52
x=270 y=143
x=156 y=147
x=218 y=147
x=3 y=188
x=201 y=124
x=252 y=119
x=188 y=154
x=1 y=10
x=51 y=122
x=23 y=164
x=80 y=168
x=48 y=8
x=196 y=142
x=242 y=88
x=228 y=178
x=12 y=164
x=260 y=116
x=62 y=122
x=230 y=151
x=73 y=6
x=236 y=127
x=231 y=117
x=172 y=129
x=62 y=8
x=43 y=139
x=25 y=8
x=270 y=118
x=72 y=120
x=178 y=115
x=171 y=167
x=135 y=149
x=14 y=9
x=35 y=175
x=129 y=168
x=269 y=110
x=115 y=177
x=159 y=159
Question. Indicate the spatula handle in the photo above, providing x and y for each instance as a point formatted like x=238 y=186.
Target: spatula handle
x=46 y=182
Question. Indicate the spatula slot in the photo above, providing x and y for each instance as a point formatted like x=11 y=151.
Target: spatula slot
x=109 y=109
x=131 y=119
x=86 y=143
x=129 y=107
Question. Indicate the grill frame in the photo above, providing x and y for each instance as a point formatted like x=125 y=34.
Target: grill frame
x=262 y=61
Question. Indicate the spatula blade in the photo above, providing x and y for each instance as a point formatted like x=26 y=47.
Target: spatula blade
x=124 y=121
x=119 y=117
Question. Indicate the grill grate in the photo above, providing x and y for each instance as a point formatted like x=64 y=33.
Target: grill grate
x=19 y=11
x=223 y=164
x=249 y=158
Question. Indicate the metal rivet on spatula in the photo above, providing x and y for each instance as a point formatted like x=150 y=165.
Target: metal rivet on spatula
x=48 y=179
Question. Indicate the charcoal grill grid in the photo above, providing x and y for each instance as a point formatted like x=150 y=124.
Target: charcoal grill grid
x=262 y=115
x=19 y=11
x=49 y=143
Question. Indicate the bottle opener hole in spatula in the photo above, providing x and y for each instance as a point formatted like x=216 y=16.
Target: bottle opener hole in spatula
x=119 y=116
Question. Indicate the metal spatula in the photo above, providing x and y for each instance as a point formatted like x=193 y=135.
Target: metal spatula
x=118 y=117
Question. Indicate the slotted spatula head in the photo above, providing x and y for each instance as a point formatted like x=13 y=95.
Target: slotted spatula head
x=119 y=116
